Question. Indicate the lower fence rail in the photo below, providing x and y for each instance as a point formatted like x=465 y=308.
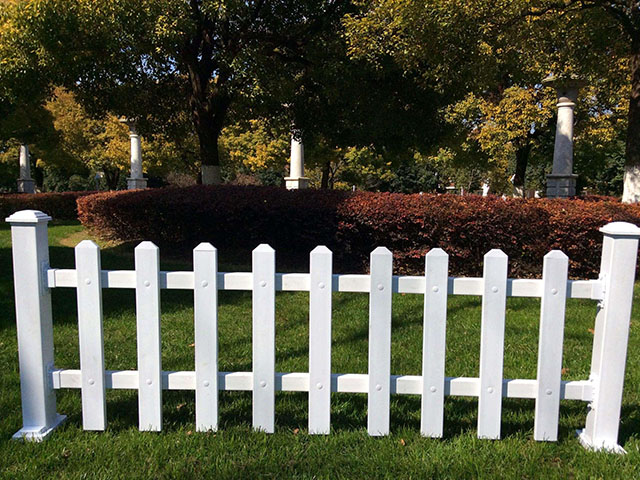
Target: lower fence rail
x=34 y=278
x=340 y=383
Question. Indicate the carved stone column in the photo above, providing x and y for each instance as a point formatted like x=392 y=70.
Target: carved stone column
x=26 y=184
x=561 y=182
x=296 y=179
x=136 y=180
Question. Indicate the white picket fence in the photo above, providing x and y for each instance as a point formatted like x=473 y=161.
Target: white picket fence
x=39 y=378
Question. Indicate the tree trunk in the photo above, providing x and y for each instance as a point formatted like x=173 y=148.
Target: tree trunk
x=209 y=102
x=208 y=120
x=111 y=177
x=631 y=192
x=209 y=156
x=522 y=160
x=326 y=171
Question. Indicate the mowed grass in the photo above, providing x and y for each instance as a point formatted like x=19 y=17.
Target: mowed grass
x=235 y=451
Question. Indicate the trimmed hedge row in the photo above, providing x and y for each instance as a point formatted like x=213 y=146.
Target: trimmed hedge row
x=353 y=224
x=60 y=205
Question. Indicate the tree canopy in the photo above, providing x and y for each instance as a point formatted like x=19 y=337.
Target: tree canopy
x=379 y=90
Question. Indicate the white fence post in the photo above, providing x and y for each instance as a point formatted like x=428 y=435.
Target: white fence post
x=617 y=271
x=380 y=293
x=30 y=247
x=147 y=260
x=264 y=338
x=320 y=340
x=550 y=342
x=205 y=292
x=434 y=342
x=89 y=292
x=494 y=303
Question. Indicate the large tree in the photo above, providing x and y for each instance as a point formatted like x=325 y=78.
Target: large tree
x=619 y=39
x=139 y=58
x=485 y=48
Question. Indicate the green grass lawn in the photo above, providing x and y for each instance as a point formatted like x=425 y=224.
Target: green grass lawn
x=237 y=452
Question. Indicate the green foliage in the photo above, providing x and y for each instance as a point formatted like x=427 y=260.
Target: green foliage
x=489 y=57
x=166 y=61
x=254 y=146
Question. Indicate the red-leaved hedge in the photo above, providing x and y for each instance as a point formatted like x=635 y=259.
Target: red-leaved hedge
x=60 y=205
x=236 y=218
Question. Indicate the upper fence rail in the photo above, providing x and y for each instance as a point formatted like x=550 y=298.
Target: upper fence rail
x=354 y=283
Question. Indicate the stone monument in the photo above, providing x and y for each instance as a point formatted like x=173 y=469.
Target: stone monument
x=26 y=184
x=296 y=179
x=136 y=180
x=561 y=183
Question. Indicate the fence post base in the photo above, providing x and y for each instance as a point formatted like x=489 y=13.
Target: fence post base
x=588 y=443
x=37 y=433
x=34 y=325
x=611 y=336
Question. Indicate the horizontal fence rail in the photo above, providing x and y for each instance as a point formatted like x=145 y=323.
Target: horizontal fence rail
x=300 y=282
x=342 y=383
x=602 y=391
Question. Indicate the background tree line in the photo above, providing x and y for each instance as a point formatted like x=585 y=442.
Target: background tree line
x=386 y=94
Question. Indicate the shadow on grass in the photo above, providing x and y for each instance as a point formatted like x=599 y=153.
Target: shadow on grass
x=348 y=414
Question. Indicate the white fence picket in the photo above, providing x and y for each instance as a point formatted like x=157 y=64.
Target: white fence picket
x=205 y=291
x=148 y=333
x=380 y=342
x=434 y=342
x=552 y=311
x=264 y=338
x=320 y=341
x=89 y=293
x=492 y=344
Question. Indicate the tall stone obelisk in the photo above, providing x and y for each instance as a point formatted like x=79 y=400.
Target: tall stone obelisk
x=296 y=179
x=136 y=180
x=26 y=184
x=561 y=182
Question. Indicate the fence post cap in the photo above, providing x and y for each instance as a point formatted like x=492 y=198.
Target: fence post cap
x=28 y=216
x=205 y=247
x=381 y=251
x=87 y=245
x=621 y=229
x=263 y=248
x=146 y=245
x=556 y=254
x=321 y=249
x=437 y=252
x=495 y=253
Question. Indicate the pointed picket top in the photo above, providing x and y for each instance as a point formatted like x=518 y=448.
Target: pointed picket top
x=146 y=246
x=205 y=247
x=437 y=252
x=495 y=253
x=381 y=251
x=87 y=245
x=621 y=229
x=263 y=248
x=321 y=249
x=28 y=216
x=559 y=254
